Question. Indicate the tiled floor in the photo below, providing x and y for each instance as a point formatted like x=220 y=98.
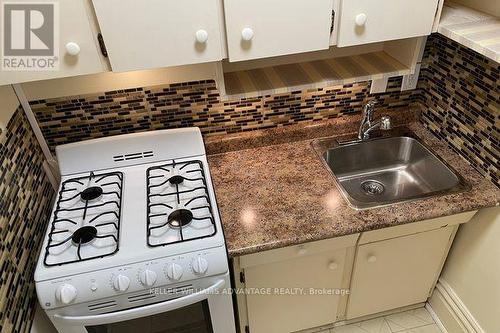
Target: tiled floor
x=412 y=321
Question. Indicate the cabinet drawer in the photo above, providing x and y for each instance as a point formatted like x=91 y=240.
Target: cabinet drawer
x=298 y=251
x=276 y=27
x=160 y=33
x=368 y=21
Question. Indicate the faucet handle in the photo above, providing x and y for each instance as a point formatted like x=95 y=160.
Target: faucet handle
x=369 y=108
x=371 y=103
x=385 y=123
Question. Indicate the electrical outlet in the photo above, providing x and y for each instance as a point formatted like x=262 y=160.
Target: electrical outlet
x=379 y=85
x=410 y=81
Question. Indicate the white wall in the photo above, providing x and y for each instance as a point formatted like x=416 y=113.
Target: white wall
x=473 y=269
x=8 y=105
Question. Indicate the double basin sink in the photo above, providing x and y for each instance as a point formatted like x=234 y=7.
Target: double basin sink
x=387 y=170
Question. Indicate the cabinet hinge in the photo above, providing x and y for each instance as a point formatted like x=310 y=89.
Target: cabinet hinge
x=333 y=22
x=242 y=277
x=102 y=46
x=247 y=329
x=437 y=9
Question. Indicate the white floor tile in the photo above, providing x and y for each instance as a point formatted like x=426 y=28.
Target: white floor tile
x=433 y=328
x=403 y=321
x=412 y=321
x=377 y=325
x=423 y=314
x=352 y=328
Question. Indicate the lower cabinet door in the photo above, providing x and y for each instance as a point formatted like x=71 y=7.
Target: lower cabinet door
x=280 y=298
x=397 y=272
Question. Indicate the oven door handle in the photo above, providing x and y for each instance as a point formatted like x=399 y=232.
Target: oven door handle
x=141 y=311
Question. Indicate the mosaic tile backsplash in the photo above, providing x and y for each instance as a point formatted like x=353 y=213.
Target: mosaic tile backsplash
x=461 y=91
x=25 y=204
x=458 y=87
x=199 y=104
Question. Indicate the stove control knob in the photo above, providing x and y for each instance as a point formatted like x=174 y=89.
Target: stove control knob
x=174 y=271
x=121 y=283
x=66 y=293
x=148 y=278
x=200 y=265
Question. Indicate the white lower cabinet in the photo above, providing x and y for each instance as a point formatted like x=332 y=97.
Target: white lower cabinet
x=280 y=298
x=397 y=272
x=383 y=270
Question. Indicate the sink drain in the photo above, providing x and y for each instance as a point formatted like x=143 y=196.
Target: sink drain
x=372 y=187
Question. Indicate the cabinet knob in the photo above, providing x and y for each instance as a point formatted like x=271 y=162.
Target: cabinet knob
x=333 y=265
x=372 y=259
x=201 y=36
x=73 y=48
x=247 y=34
x=360 y=19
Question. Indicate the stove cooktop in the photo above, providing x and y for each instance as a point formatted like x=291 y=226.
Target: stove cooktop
x=86 y=219
x=179 y=207
x=137 y=208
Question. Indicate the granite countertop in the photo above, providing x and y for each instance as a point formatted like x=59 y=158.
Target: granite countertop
x=277 y=194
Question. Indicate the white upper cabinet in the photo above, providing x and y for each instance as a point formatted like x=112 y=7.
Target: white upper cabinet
x=160 y=33
x=368 y=21
x=76 y=48
x=262 y=28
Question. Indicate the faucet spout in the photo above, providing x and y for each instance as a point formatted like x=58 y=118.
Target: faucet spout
x=367 y=125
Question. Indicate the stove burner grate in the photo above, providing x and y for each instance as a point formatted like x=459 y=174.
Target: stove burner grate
x=180 y=196
x=78 y=222
x=91 y=193
x=180 y=218
x=84 y=234
x=176 y=180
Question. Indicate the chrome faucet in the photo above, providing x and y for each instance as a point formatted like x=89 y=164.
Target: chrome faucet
x=367 y=125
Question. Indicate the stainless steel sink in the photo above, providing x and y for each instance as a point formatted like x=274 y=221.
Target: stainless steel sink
x=388 y=170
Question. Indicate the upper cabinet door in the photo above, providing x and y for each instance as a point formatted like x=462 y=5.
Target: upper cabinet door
x=160 y=33
x=368 y=21
x=263 y=28
x=76 y=50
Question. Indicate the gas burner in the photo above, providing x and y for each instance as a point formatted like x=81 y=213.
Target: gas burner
x=178 y=204
x=84 y=235
x=180 y=218
x=91 y=193
x=176 y=180
x=86 y=220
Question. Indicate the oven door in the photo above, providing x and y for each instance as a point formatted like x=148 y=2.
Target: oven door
x=206 y=311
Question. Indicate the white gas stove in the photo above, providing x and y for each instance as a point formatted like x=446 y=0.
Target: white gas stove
x=135 y=236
